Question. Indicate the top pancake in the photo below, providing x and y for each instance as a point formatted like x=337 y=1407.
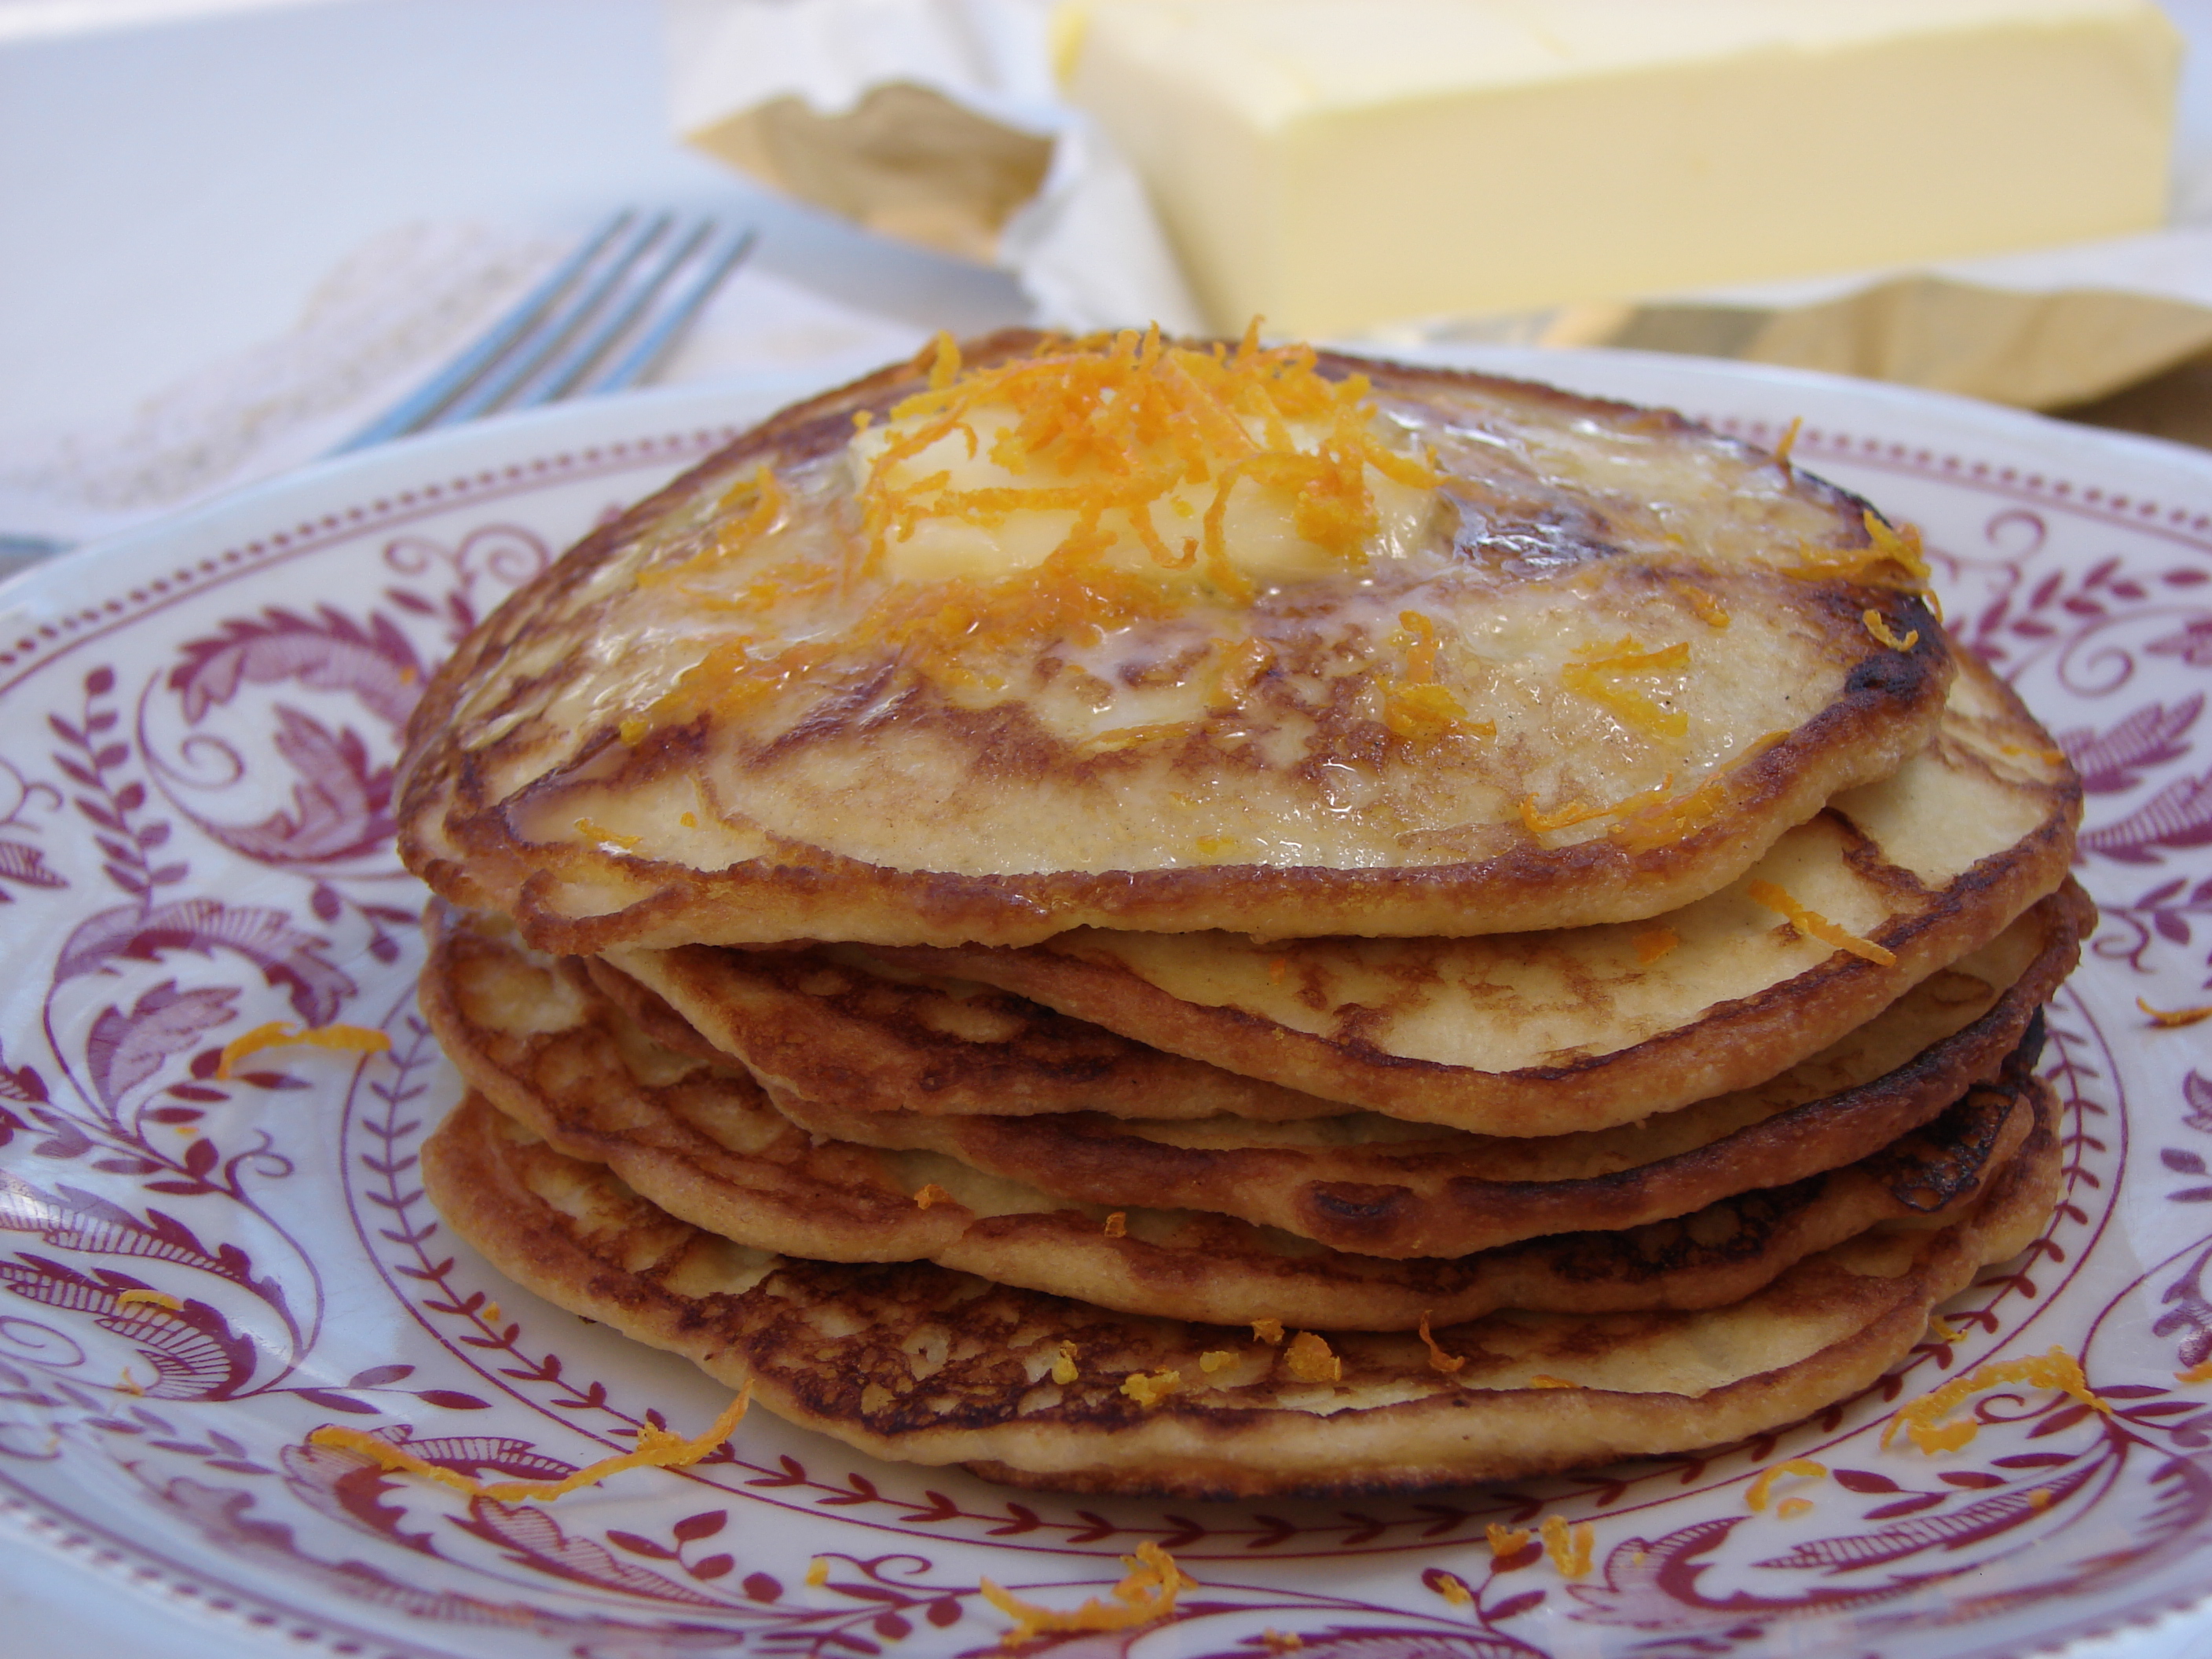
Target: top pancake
x=1455 y=655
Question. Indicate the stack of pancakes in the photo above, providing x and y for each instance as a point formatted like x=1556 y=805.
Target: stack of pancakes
x=1161 y=919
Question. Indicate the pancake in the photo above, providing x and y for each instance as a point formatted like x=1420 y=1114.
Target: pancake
x=917 y=1364
x=1382 y=1186
x=1583 y=1029
x=827 y=1022
x=707 y=1146
x=1172 y=639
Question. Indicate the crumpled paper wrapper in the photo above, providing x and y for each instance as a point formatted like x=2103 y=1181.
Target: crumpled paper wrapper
x=936 y=122
x=2033 y=351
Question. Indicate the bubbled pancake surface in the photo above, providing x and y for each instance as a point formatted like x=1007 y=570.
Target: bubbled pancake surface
x=1585 y=1028
x=705 y=1144
x=916 y=1363
x=1379 y=1186
x=871 y=801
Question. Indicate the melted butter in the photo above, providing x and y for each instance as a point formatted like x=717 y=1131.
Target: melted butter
x=1259 y=526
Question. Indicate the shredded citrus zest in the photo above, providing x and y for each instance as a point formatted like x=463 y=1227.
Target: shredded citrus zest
x=1569 y=1547
x=1064 y=1370
x=1923 y=1420
x=1641 y=827
x=600 y=833
x=1790 y=1508
x=931 y=1193
x=1454 y=1589
x=1449 y=1364
x=1877 y=625
x=280 y=1034
x=1653 y=943
x=1149 y=1390
x=1280 y=1641
x=1543 y=824
x=1545 y=1379
x=1216 y=1359
x=1278 y=967
x=1117 y=1224
x=2041 y=1498
x=1505 y=1541
x=818 y=1573
x=1813 y=925
x=1596 y=678
x=490 y=1313
x=1105 y=428
x=1887 y=551
x=160 y=1299
x=633 y=731
x=1269 y=1331
x=657 y=1448
x=2174 y=1018
x=689 y=820
x=1788 y=441
x=1944 y=1331
x=1310 y=1360
x=1755 y=1496
x=2200 y=1372
x=1416 y=707
x=1147 y=1595
x=1708 y=609
x=127 y=1383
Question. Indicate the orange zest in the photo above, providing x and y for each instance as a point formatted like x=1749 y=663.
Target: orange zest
x=1923 y=1420
x=1888 y=552
x=1505 y=1541
x=931 y=1193
x=1449 y=1364
x=1149 y=1390
x=600 y=833
x=1570 y=1547
x=1597 y=678
x=2200 y=1372
x=2172 y=1018
x=160 y=1299
x=657 y=1448
x=1877 y=625
x=1788 y=441
x=1064 y=1371
x=1269 y=1331
x=1117 y=1224
x=1147 y=1596
x=280 y=1034
x=1546 y=1380
x=1813 y=925
x=1310 y=1360
x=1653 y=943
x=1755 y=1495
x=1543 y=824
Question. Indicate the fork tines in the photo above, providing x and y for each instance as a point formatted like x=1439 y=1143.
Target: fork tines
x=598 y=322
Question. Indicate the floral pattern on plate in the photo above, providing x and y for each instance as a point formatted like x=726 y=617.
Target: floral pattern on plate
x=202 y=1264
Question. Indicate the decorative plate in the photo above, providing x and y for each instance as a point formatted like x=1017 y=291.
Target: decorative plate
x=197 y=732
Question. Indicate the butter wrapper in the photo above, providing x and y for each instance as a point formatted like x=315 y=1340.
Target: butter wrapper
x=936 y=122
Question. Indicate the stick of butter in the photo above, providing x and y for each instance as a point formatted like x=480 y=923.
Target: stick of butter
x=1334 y=164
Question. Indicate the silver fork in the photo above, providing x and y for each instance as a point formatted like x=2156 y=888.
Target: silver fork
x=599 y=322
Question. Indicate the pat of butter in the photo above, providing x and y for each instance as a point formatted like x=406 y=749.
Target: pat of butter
x=1333 y=164
x=1258 y=531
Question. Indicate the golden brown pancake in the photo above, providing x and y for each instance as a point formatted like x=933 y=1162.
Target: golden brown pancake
x=1583 y=1029
x=918 y=1364
x=1481 y=657
x=706 y=1146
x=1379 y=1186
x=826 y=1020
